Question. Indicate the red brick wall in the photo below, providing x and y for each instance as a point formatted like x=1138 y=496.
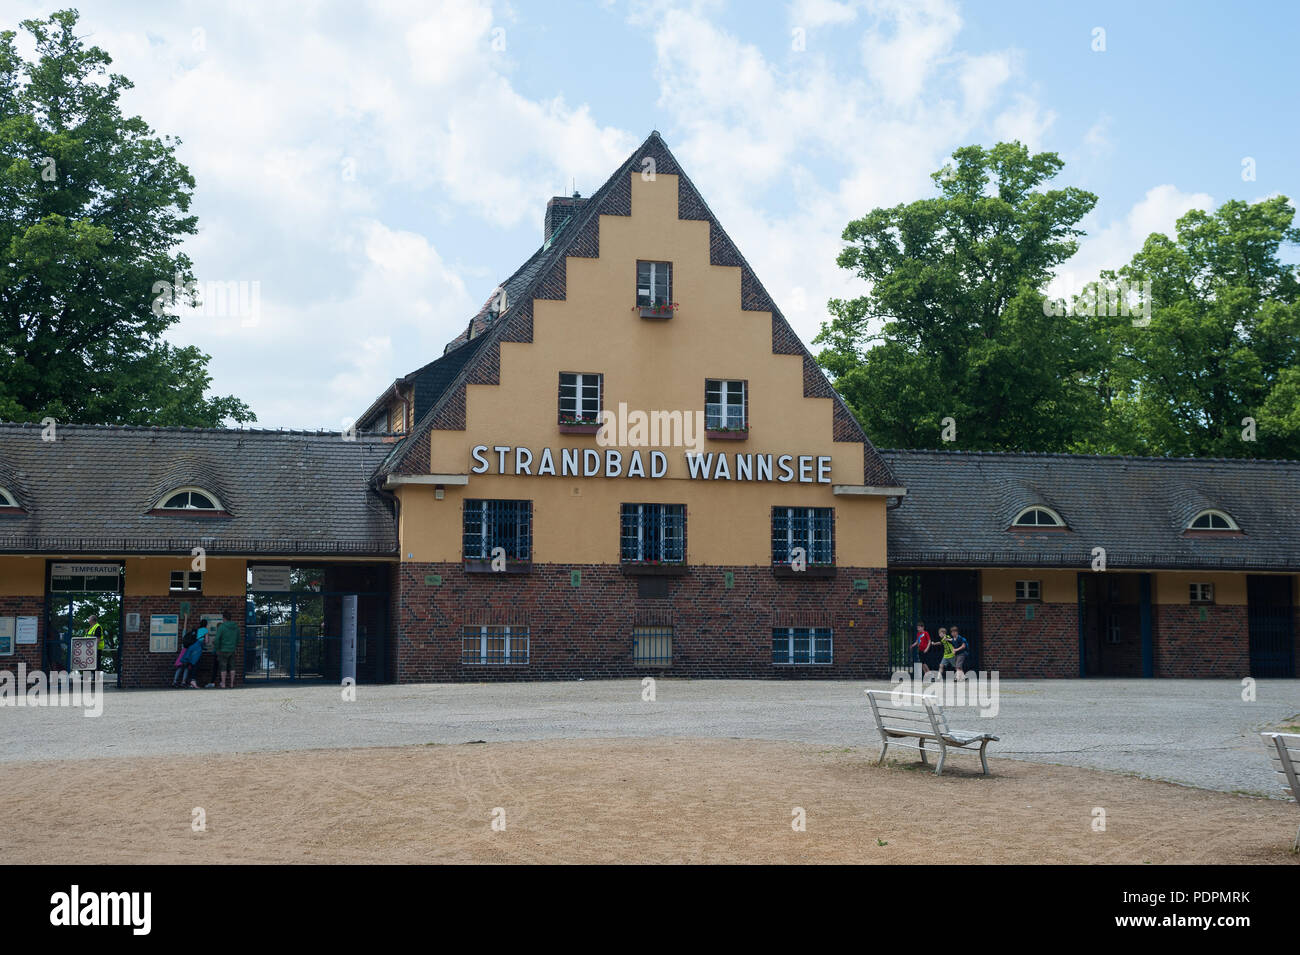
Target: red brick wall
x=28 y=653
x=144 y=670
x=1186 y=646
x=587 y=631
x=1047 y=646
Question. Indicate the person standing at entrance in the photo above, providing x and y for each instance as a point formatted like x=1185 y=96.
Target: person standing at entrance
x=95 y=631
x=225 y=644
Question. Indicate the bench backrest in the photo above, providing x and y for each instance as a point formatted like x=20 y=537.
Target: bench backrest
x=1284 y=753
x=907 y=711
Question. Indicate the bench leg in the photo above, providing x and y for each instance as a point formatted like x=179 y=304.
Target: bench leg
x=1296 y=845
x=924 y=761
x=943 y=754
x=884 y=748
x=984 y=761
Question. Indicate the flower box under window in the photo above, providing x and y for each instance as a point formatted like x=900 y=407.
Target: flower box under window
x=657 y=311
x=726 y=434
x=579 y=426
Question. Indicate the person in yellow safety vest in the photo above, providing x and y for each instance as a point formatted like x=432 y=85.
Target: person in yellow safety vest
x=96 y=630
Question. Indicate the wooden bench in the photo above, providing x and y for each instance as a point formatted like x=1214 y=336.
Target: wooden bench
x=1284 y=752
x=905 y=717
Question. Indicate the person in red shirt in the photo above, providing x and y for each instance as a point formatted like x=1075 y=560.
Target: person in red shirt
x=922 y=645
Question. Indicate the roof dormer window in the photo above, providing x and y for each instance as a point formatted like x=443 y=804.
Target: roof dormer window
x=1211 y=520
x=189 y=499
x=8 y=501
x=1036 y=517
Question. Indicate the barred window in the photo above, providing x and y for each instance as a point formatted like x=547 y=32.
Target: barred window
x=186 y=581
x=579 y=398
x=652 y=644
x=494 y=644
x=654 y=533
x=724 y=405
x=492 y=524
x=654 y=283
x=812 y=528
x=794 y=645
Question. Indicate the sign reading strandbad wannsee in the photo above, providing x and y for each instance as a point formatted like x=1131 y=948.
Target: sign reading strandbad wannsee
x=612 y=463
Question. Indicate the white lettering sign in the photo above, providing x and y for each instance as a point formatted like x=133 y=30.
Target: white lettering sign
x=612 y=463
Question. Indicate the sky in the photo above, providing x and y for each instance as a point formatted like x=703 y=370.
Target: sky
x=377 y=168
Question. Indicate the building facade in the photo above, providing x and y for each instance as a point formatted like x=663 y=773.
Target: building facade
x=628 y=464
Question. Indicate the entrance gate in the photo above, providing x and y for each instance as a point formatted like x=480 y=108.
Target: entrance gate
x=74 y=591
x=940 y=598
x=1271 y=622
x=298 y=633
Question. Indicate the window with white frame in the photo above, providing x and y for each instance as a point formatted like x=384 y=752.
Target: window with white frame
x=1038 y=517
x=7 y=499
x=494 y=644
x=809 y=528
x=801 y=645
x=189 y=499
x=492 y=524
x=580 y=398
x=1201 y=593
x=724 y=405
x=1212 y=521
x=654 y=283
x=653 y=534
x=186 y=581
x=1029 y=590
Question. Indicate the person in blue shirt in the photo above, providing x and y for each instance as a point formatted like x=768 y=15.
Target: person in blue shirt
x=961 y=653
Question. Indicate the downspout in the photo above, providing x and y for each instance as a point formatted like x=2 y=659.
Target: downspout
x=394 y=623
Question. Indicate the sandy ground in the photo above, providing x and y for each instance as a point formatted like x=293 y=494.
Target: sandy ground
x=635 y=801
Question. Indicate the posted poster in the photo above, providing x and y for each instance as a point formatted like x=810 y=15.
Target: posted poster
x=6 y=636
x=85 y=653
x=164 y=629
x=26 y=630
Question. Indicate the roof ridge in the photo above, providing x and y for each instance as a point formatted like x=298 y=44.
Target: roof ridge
x=956 y=452
x=187 y=429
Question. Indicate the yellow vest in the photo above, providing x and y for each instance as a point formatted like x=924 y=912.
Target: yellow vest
x=91 y=632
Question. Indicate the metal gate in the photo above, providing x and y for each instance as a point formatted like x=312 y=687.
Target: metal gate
x=940 y=598
x=1271 y=622
x=286 y=638
x=72 y=593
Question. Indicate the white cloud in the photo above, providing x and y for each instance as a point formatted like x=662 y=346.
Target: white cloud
x=1114 y=244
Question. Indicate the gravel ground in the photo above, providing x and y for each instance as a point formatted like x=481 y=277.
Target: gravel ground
x=1195 y=732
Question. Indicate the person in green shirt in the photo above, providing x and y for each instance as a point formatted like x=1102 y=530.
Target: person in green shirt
x=949 y=654
x=225 y=644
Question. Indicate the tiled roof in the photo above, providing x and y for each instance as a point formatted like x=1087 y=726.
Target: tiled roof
x=960 y=504
x=543 y=276
x=288 y=492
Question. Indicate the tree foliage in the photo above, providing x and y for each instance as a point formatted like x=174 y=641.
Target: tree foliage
x=955 y=280
x=93 y=209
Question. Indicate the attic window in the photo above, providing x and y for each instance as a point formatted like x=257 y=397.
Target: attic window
x=1212 y=521
x=7 y=500
x=189 y=499
x=1038 y=517
x=654 y=289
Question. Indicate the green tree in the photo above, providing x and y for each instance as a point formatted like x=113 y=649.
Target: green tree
x=93 y=208
x=1222 y=344
x=955 y=280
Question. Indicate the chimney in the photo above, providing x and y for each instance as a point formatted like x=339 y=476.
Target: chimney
x=558 y=210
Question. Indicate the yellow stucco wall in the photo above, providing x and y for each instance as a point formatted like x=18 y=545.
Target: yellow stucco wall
x=1058 y=586
x=1171 y=587
x=650 y=365
x=22 y=576
x=151 y=576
